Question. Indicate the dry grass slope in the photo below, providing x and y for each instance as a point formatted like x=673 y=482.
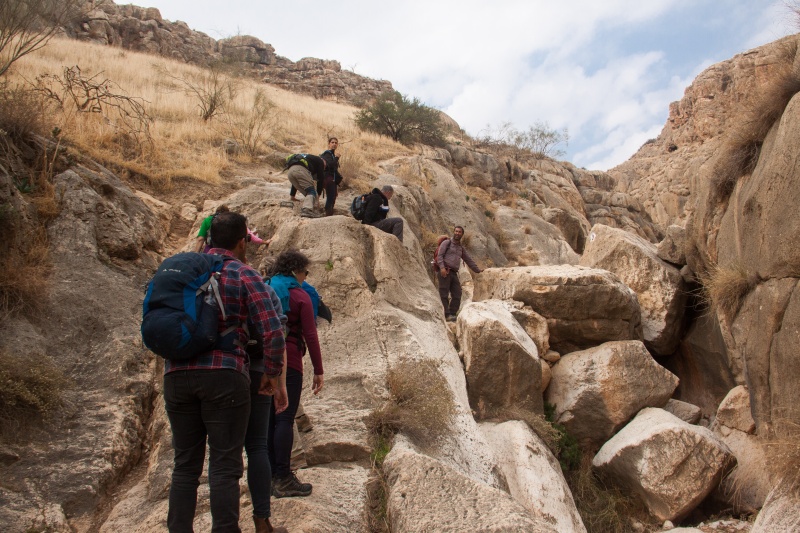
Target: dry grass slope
x=183 y=144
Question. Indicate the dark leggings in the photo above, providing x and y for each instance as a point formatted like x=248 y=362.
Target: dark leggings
x=331 y=191
x=259 y=474
x=281 y=426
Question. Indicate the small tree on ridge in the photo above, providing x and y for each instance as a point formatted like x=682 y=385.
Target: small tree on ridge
x=404 y=120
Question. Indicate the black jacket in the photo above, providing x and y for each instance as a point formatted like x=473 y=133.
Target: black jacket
x=332 y=170
x=376 y=202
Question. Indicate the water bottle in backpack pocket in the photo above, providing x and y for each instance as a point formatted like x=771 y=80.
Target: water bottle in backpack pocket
x=180 y=312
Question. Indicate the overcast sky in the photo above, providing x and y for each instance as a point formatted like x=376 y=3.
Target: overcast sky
x=606 y=70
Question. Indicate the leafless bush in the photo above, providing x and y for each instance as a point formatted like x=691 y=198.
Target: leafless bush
x=540 y=140
x=75 y=92
x=252 y=129
x=27 y=25
x=212 y=89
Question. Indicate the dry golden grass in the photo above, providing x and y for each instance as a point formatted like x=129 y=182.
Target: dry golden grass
x=183 y=144
x=26 y=269
x=724 y=288
x=421 y=404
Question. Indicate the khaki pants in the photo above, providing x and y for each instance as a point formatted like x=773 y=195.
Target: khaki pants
x=303 y=181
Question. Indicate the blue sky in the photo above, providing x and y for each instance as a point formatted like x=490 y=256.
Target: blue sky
x=604 y=70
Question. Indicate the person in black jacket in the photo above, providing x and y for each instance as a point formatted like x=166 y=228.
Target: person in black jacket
x=302 y=173
x=377 y=209
x=332 y=176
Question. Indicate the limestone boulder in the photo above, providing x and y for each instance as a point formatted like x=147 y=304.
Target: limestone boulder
x=659 y=286
x=767 y=332
x=530 y=240
x=685 y=411
x=533 y=474
x=426 y=495
x=747 y=487
x=534 y=324
x=583 y=306
x=672 y=247
x=781 y=511
x=501 y=362
x=596 y=391
x=657 y=446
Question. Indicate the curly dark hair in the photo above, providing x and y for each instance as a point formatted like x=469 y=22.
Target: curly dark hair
x=289 y=262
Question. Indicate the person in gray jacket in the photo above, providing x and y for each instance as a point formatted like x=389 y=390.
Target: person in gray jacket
x=449 y=256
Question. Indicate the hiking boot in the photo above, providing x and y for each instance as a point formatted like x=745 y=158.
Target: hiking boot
x=451 y=318
x=309 y=213
x=284 y=487
x=263 y=526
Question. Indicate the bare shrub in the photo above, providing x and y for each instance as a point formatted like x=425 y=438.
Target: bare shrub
x=252 y=128
x=211 y=89
x=420 y=405
x=540 y=140
x=75 y=92
x=31 y=388
x=27 y=26
x=724 y=288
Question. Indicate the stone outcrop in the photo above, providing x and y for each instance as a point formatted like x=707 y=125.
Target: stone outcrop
x=781 y=512
x=427 y=495
x=685 y=411
x=583 y=306
x=659 y=286
x=533 y=475
x=747 y=487
x=672 y=465
x=596 y=391
x=501 y=362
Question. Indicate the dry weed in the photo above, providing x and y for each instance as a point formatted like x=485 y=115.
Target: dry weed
x=31 y=387
x=26 y=271
x=603 y=507
x=724 y=288
x=421 y=404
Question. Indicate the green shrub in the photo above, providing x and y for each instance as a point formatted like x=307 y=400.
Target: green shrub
x=404 y=120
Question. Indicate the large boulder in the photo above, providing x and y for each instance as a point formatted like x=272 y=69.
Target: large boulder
x=596 y=391
x=533 y=474
x=707 y=367
x=659 y=286
x=747 y=487
x=781 y=511
x=583 y=306
x=670 y=464
x=501 y=361
x=426 y=495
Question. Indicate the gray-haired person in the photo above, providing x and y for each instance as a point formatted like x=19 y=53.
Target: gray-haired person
x=378 y=207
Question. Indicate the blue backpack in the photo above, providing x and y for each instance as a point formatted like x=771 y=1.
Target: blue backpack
x=180 y=309
x=359 y=206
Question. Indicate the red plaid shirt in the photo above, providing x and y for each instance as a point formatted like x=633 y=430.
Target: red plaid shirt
x=244 y=296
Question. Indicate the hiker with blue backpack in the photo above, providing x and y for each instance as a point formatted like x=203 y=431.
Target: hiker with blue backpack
x=196 y=314
x=301 y=304
x=332 y=176
x=305 y=173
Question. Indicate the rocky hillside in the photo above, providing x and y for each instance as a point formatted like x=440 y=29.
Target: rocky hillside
x=143 y=30
x=587 y=306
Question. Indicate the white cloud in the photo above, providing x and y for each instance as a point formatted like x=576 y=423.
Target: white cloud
x=593 y=67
